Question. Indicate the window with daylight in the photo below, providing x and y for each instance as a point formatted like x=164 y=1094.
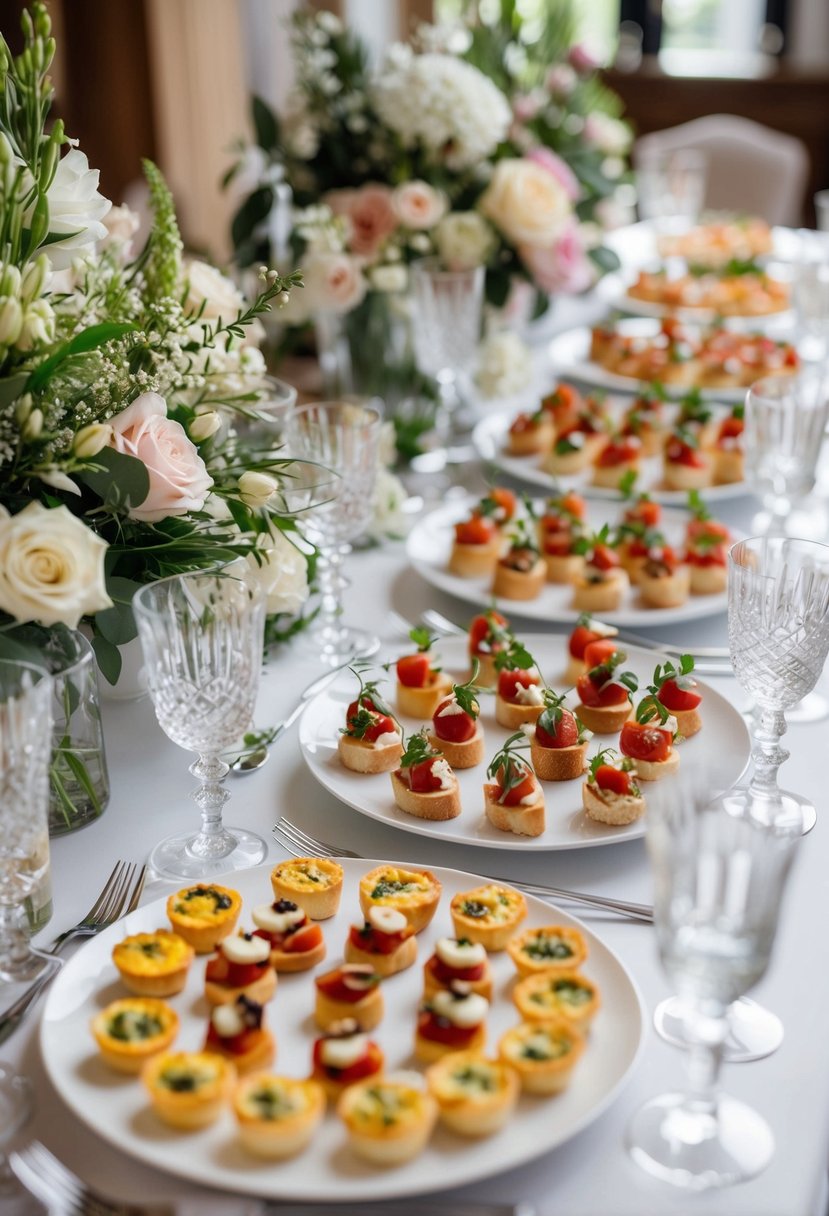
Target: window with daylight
x=717 y=37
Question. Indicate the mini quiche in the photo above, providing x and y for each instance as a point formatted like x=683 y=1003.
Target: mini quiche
x=236 y=1031
x=488 y=915
x=153 y=964
x=553 y=996
x=388 y=1120
x=550 y=948
x=475 y=1096
x=131 y=1031
x=415 y=893
x=277 y=1116
x=204 y=914
x=343 y=1056
x=189 y=1089
x=315 y=884
x=543 y=1054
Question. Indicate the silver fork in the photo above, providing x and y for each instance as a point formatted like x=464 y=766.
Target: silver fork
x=300 y=843
x=61 y=1191
x=120 y=895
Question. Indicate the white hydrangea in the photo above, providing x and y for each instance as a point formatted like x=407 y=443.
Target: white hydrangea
x=443 y=103
x=388 y=521
x=504 y=365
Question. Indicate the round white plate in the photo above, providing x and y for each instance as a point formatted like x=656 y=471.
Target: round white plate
x=115 y=1106
x=489 y=438
x=720 y=750
x=569 y=355
x=429 y=545
x=613 y=289
x=635 y=245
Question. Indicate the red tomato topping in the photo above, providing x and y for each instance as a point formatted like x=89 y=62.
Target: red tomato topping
x=678 y=452
x=479 y=630
x=514 y=796
x=674 y=698
x=444 y=974
x=603 y=557
x=715 y=556
x=510 y=681
x=414 y=670
x=644 y=741
x=597 y=697
x=644 y=512
x=612 y=780
x=479 y=530
x=221 y=970
x=566 y=732
x=524 y=422
x=382 y=725
x=730 y=428
x=421 y=778
x=455 y=727
x=366 y=703
x=366 y=1066
x=600 y=650
x=505 y=502
x=372 y=941
x=333 y=985
x=580 y=638
x=237 y=1044
x=622 y=451
x=706 y=527
x=558 y=544
x=441 y=1030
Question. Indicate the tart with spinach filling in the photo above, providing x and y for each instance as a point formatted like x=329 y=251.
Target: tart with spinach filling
x=131 y=1031
x=189 y=1089
x=204 y=914
x=549 y=948
x=277 y=1116
x=388 y=1120
x=415 y=893
x=488 y=915
x=557 y=996
x=543 y=1054
x=153 y=964
x=314 y=884
x=475 y=1096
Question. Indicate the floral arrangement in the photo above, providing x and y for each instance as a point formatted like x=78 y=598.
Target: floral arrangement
x=121 y=375
x=458 y=145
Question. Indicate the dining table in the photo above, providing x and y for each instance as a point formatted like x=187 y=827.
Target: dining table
x=591 y=1174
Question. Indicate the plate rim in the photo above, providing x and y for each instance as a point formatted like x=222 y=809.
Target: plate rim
x=420 y=827
x=246 y=1183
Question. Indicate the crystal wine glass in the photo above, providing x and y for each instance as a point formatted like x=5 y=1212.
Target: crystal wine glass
x=25 y=754
x=811 y=294
x=671 y=187
x=202 y=637
x=447 y=330
x=785 y=423
x=344 y=437
x=719 y=874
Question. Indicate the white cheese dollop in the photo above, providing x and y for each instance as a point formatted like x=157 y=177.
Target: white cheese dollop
x=603 y=630
x=454 y=954
x=529 y=695
x=670 y=725
x=387 y=920
x=227 y=1021
x=464 y=1011
x=443 y=771
x=386 y=740
x=246 y=949
x=266 y=917
x=449 y=710
x=529 y=799
x=342 y=1053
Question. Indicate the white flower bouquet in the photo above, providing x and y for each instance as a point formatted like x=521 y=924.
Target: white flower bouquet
x=120 y=374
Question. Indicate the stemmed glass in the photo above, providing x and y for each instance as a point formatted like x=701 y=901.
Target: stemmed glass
x=671 y=187
x=811 y=294
x=25 y=753
x=447 y=331
x=719 y=874
x=202 y=636
x=344 y=437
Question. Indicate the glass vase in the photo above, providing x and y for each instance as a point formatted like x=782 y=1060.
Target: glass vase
x=368 y=351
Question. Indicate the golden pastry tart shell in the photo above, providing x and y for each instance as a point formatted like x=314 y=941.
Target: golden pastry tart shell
x=193 y=1108
x=204 y=932
x=557 y=1010
x=430 y=1050
x=290 y=961
x=678 y=476
x=318 y=900
x=483 y=1113
x=363 y=757
x=688 y=721
x=563 y=569
x=487 y=675
x=671 y=591
x=474 y=561
x=261 y=1055
x=511 y=584
x=275 y=1139
x=131 y=1055
x=604 y=596
x=367 y=1012
x=489 y=931
x=650 y=770
x=261 y=990
x=418 y=905
x=708 y=580
x=526 y=964
x=387 y=1144
x=609 y=476
x=147 y=976
x=403 y=957
x=541 y=1076
x=431 y=983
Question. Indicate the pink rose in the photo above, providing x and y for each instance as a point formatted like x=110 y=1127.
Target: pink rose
x=580 y=58
x=562 y=267
x=561 y=80
x=525 y=106
x=418 y=205
x=560 y=170
x=334 y=282
x=370 y=214
x=179 y=480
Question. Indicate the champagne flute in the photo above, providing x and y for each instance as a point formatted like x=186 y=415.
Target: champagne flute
x=202 y=635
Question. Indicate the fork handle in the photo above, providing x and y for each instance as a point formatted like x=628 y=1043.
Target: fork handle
x=11 y=1018
x=624 y=907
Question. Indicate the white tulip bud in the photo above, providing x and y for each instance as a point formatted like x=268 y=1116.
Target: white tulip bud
x=34 y=277
x=204 y=425
x=9 y=280
x=11 y=320
x=38 y=326
x=23 y=408
x=91 y=439
x=6 y=153
x=256 y=489
x=32 y=426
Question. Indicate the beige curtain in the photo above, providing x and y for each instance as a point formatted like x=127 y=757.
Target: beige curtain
x=200 y=103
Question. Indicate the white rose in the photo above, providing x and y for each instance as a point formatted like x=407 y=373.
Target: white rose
x=281 y=572
x=418 y=205
x=334 y=282
x=211 y=294
x=388 y=518
x=51 y=567
x=389 y=278
x=526 y=202
x=75 y=208
x=121 y=223
x=464 y=240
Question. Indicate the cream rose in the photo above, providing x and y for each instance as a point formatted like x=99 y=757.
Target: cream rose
x=334 y=282
x=75 y=208
x=122 y=224
x=281 y=572
x=51 y=567
x=179 y=479
x=464 y=240
x=211 y=294
x=418 y=205
x=526 y=202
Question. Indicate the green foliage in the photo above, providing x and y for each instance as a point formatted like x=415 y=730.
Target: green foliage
x=508 y=767
x=119 y=480
x=163 y=266
x=417 y=749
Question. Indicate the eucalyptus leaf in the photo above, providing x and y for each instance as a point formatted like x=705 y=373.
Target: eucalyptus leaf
x=109 y=658
x=119 y=480
x=12 y=388
x=264 y=123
